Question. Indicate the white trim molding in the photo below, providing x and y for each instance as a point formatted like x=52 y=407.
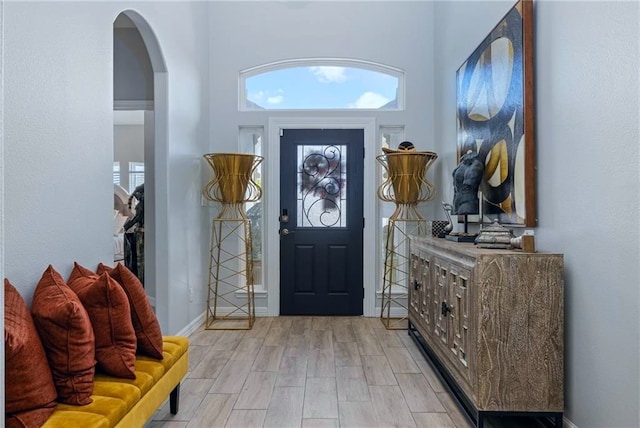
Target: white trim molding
x=133 y=104
x=199 y=321
x=271 y=197
x=193 y=326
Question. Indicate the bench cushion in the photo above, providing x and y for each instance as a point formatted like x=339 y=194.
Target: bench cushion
x=129 y=402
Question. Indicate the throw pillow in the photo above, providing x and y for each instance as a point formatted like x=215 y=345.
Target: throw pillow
x=108 y=308
x=143 y=318
x=67 y=336
x=28 y=385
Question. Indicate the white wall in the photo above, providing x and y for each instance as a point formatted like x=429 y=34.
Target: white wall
x=587 y=95
x=182 y=29
x=133 y=74
x=2 y=171
x=58 y=131
x=59 y=142
x=249 y=34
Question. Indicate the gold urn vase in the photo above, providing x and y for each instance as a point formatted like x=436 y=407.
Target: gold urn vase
x=405 y=185
x=231 y=262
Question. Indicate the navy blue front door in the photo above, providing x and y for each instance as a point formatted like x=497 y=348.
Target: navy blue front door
x=321 y=221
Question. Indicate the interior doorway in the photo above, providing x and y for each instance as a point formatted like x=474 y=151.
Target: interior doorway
x=133 y=95
x=140 y=89
x=132 y=132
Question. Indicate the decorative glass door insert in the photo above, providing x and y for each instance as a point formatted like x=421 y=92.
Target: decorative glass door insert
x=322 y=186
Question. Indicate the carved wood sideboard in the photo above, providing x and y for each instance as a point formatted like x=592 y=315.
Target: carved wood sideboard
x=492 y=324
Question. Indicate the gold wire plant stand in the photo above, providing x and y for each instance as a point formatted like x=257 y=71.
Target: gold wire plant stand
x=230 y=295
x=406 y=186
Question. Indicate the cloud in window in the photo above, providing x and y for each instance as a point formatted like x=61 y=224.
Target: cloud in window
x=275 y=100
x=329 y=74
x=256 y=96
x=369 y=100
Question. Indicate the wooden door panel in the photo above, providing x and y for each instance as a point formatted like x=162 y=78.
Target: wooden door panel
x=321 y=206
x=305 y=269
x=338 y=280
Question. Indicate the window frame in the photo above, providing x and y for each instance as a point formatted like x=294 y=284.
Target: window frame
x=321 y=62
x=243 y=132
x=133 y=172
x=117 y=173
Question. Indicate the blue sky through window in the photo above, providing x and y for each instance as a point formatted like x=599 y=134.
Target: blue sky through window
x=321 y=87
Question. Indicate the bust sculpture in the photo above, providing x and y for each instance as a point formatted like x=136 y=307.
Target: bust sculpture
x=138 y=218
x=466 y=181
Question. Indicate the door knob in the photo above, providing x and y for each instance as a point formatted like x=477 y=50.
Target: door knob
x=284 y=232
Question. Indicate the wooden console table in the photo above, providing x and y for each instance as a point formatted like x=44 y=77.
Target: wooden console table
x=492 y=323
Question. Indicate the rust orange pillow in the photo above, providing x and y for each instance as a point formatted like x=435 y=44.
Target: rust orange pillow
x=66 y=333
x=28 y=385
x=108 y=308
x=143 y=318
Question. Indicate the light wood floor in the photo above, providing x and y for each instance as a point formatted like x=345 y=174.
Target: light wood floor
x=313 y=372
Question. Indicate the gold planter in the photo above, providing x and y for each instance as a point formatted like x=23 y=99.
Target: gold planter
x=230 y=298
x=406 y=186
x=406 y=183
x=232 y=182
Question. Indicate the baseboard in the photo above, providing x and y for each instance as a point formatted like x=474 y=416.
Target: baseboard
x=192 y=326
x=567 y=423
x=261 y=311
x=393 y=312
x=199 y=321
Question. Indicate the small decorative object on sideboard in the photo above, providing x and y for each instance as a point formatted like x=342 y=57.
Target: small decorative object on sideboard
x=439 y=228
x=466 y=182
x=525 y=242
x=494 y=236
x=448 y=228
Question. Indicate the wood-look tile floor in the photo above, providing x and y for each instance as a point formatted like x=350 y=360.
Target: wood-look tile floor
x=313 y=372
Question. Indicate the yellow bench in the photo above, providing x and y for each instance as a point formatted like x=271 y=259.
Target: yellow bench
x=130 y=403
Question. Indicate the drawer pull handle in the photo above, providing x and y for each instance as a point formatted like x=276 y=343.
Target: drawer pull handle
x=445 y=309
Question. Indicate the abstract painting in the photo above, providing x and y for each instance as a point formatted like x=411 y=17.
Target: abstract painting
x=495 y=117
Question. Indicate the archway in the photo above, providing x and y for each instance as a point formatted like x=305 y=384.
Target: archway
x=155 y=171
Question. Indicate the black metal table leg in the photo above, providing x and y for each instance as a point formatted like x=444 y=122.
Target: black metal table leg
x=174 y=400
x=558 y=419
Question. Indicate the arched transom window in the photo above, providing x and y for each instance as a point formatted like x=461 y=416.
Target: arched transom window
x=322 y=84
